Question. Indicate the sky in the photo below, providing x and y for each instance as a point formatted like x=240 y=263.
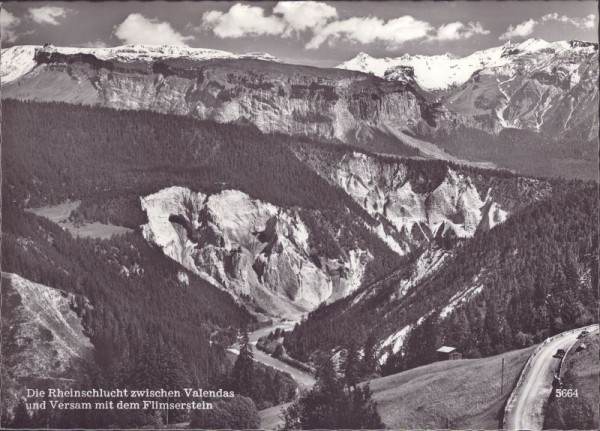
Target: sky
x=315 y=33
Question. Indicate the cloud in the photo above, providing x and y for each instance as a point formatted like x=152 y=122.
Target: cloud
x=321 y=22
x=242 y=20
x=393 y=32
x=457 y=31
x=526 y=27
x=587 y=22
x=47 y=14
x=520 y=30
x=304 y=15
x=138 y=29
x=8 y=24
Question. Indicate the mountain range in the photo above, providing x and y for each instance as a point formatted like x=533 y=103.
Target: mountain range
x=492 y=108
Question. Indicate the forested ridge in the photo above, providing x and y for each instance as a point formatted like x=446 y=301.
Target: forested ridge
x=149 y=327
x=54 y=151
x=133 y=288
x=109 y=158
x=526 y=151
x=539 y=276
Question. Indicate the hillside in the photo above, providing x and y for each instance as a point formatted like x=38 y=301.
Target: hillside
x=459 y=394
x=295 y=194
x=475 y=294
x=43 y=338
x=440 y=395
x=273 y=96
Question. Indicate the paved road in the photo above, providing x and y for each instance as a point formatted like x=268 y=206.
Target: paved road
x=533 y=393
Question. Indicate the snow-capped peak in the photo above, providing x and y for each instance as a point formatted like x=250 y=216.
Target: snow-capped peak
x=440 y=72
x=533 y=45
x=19 y=60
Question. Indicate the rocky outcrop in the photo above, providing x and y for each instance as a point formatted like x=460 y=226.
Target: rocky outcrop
x=43 y=338
x=254 y=250
x=413 y=209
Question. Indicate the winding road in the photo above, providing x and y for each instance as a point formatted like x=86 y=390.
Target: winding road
x=526 y=411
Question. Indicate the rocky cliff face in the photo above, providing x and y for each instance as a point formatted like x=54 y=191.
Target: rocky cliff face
x=256 y=251
x=276 y=97
x=42 y=337
x=536 y=86
x=412 y=207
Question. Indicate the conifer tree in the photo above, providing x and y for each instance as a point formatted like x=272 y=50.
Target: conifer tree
x=329 y=406
x=242 y=375
x=364 y=409
x=370 y=354
x=352 y=369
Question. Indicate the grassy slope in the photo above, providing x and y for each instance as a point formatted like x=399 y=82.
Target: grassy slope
x=60 y=213
x=585 y=369
x=465 y=392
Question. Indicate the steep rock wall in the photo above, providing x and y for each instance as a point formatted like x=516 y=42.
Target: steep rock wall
x=253 y=249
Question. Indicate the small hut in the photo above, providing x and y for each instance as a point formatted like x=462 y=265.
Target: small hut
x=445 y=353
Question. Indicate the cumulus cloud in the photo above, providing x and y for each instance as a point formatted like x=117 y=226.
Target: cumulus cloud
x=457 y=31
x=8 y=25
x=393 y=32
x=47 y=14
x=304 y=15
x=321 y=22
x=526 y=27
x=587 y=22
x=520 y=30
x=242 y=20
x=138 y=29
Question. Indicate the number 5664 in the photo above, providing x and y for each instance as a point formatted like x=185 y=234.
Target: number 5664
x=566 y=393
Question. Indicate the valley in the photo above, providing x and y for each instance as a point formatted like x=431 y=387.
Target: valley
x=305 y=380
x=159 y=203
